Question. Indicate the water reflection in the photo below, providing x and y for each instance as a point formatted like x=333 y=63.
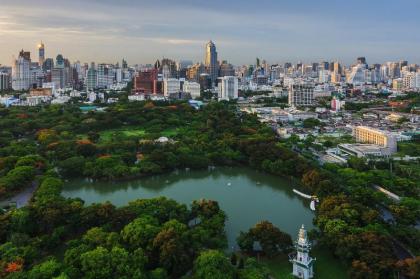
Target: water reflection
x=246 y=195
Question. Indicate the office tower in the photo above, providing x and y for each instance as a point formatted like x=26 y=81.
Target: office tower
x=361 y=60
x=211 y=61
x=301 y=95
x=226 y=69
x=257 y=62
x=324 y=65
x=4 y=81
x=58 y=72
x=118 y=75
x=324 y=76
x=195 y=71
x=92 y=78
x=124 y=64
x=59 y=61
x=21 y=74
x=205 y=81
x=337 y=67
x=394 y=70
x=25 y=54
x=41 y=53
x=105 y=75
x=57 y=77
x=403 y=63
x=358 y=74
x=228 y=88
x=170 y=68
x=48 y=64
x=193 y=88
x=146 y=81
x=184 y=64
x=166 y=73
x=171 y=86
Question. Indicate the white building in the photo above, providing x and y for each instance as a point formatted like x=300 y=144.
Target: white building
x=228 y=88
x=21 y=74
x=193 y=88
x=171 y=86
x=409 y=80
x=302 y=262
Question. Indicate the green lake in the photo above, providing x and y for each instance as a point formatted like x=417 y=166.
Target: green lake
x=247 y=196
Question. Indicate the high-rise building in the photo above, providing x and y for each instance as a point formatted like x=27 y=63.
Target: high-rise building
x=171 y=86
x=48 y=64
x=226 y=69
x=146 y=81
x=106 y=75
x=124 y=64
x=211 y=61
x=4 y=81
x=41 y=53
x=301 y=95
x=91 y=78
x=58 y=77
x=361 y=60
x=193 y=88
x=205 y=81
x=21 y=73
x=195 y=71
x=228 y=88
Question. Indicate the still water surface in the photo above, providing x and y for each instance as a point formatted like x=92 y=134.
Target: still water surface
x=247 y=196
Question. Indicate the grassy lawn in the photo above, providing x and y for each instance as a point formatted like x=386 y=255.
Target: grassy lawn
x=326 y=266
x=108 y=135
x=127 y=132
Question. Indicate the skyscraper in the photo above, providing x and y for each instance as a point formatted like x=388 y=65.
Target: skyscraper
x=92 y=78
x=228 y=88
x=146 y=81
x=21 y=71
x=211 y=61
x=41 y=52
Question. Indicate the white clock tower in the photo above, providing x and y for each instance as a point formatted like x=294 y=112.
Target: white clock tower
x=302 y=262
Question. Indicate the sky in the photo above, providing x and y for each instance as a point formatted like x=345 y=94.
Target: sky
x=105 y=31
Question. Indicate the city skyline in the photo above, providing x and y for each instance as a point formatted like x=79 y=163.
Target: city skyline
x=277 y=32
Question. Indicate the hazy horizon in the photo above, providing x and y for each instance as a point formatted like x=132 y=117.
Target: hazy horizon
x=277 y=31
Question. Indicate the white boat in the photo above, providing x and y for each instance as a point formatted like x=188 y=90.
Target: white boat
x=312 y=205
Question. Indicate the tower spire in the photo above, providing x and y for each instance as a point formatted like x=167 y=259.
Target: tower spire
x=302 y=261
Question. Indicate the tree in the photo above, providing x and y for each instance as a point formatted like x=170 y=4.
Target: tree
x=270 y=238
x=18 y=178
x=116 y=263
x=46 y=270
x=409 y=267
x=173 y=246
x=213 y=264
x=72 y=167
x=141 y=232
